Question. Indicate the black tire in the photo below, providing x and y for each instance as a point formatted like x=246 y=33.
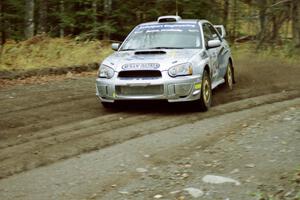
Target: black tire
x=204 y=103
x=229 y=77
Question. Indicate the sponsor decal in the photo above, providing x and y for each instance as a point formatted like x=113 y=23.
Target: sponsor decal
x=141 y=66
x=186 y=27
x=167 y=26
x=197 y=86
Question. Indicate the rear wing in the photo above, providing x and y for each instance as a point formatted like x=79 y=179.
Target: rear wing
x=221 y=30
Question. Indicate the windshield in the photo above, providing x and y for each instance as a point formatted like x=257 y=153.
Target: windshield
x=173 y=36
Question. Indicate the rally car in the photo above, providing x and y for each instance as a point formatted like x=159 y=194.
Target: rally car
x=170 y=59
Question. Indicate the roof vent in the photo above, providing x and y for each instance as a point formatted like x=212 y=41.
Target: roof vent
x=170 y=18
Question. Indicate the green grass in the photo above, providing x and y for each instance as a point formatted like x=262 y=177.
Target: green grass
x=42 y=51
x=284 y=53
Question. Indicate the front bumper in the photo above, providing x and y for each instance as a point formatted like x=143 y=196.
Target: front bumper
x=179 y=89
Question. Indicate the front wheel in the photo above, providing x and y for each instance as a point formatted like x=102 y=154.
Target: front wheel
x=229 y=77
x=205 y=100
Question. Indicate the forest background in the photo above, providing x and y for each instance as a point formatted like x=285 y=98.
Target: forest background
x=36 y=33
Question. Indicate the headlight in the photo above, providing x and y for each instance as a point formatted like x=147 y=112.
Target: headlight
x=181 y=70
x=105 y=72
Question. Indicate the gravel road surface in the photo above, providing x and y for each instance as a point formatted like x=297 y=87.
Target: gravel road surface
x=52 y=131
x=260 y=153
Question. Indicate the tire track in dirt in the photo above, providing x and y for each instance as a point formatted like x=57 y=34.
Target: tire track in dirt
x=65 y=145
x=56 y=131
x=45 y=104
x=84 y=139
x=52 y=114
x=44 y=95
x=86 y=129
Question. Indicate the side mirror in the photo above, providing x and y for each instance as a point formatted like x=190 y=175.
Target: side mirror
x=221 y=30
x=115 y=46
x=213 y=43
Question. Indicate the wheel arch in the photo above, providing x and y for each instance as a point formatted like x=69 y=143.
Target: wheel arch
x=232 y=67
x=206 y=68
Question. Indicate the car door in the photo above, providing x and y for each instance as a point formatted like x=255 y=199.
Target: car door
x=212 y=52
x=221 y=53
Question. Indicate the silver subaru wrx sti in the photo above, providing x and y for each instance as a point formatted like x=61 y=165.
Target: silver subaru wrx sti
x=171 y=59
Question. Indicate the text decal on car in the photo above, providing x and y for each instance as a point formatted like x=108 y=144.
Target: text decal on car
x=141 y=66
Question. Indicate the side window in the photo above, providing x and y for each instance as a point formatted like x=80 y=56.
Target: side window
x=215 y=35
x=207 y=33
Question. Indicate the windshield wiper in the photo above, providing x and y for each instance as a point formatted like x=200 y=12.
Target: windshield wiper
x=166 y=48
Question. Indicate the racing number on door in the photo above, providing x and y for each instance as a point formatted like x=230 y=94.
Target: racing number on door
x=222 y=64
x=213 y=52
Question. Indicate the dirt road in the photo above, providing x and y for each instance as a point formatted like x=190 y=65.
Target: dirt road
x=258 y=149
x=42 y=124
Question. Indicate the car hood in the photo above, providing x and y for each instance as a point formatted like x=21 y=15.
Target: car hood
x=162 y=59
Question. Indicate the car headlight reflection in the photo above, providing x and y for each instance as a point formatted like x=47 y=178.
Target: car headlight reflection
x=184 y=69
x=105 y=72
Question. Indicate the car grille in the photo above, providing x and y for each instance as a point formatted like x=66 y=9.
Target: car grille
x=140 y=90
x=140 y=74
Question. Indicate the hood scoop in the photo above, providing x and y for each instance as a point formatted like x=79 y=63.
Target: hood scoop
x=149 y=52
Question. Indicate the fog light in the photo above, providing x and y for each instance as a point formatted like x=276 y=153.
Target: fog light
x=102 y=90
x=183 y=89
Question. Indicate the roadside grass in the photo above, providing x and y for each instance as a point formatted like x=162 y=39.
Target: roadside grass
x=283 y=54
x=44 y=52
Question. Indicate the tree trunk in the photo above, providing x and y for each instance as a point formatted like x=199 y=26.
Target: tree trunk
x=29 y=18
x=225 y=13
x=2 y=28
x=235 y=20
x=262 y=6
x=43 y=7
x=288 y=24
x=94 y=10
x=274 y=36
x=250 y=14
x=296 y=23
x=61 y=25
x=176 y=7
x=107 y=11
